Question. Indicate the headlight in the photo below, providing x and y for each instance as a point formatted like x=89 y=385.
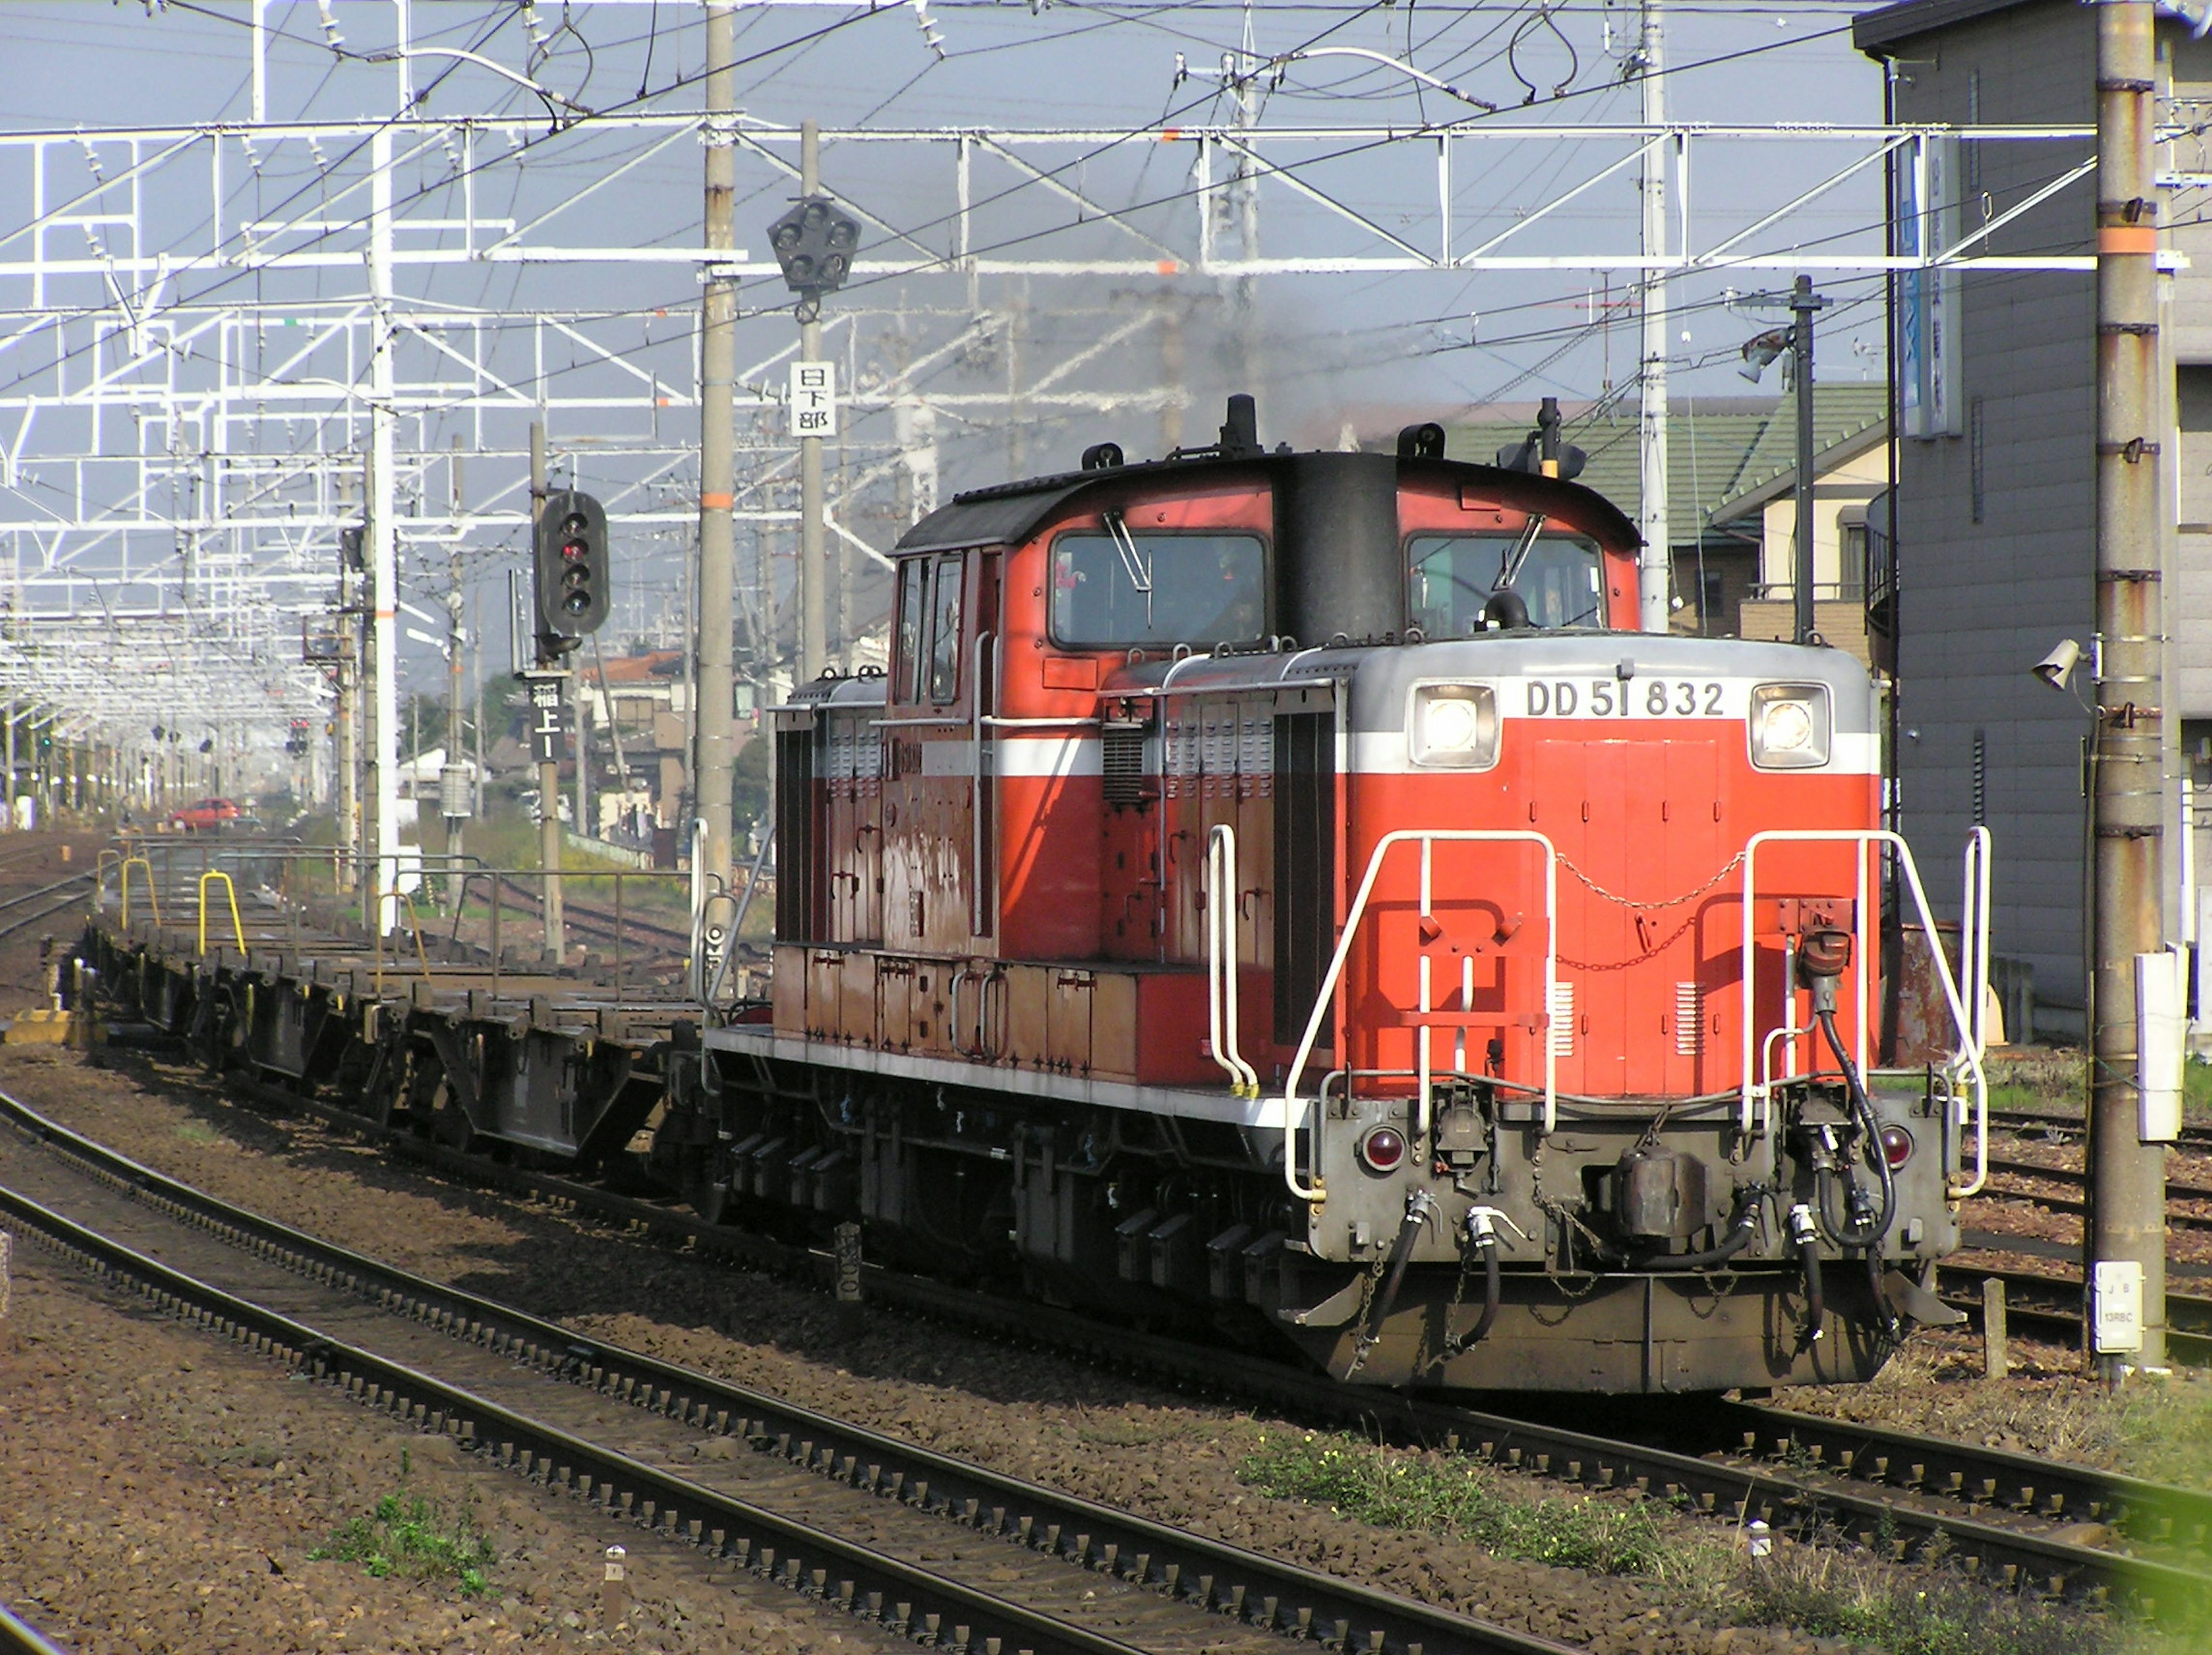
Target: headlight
x=1789 y=726
x=1454 y=726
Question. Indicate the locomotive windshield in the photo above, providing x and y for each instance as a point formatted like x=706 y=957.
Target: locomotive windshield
x=1121 y=589
x=1453 y=575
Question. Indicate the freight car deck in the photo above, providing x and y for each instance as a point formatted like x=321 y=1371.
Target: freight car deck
x=438 y=1032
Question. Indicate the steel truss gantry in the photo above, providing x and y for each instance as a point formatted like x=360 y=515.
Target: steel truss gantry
x=193 y=317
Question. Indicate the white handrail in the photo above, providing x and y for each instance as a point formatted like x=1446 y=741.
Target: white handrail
x=1293 y=1103
x=1974 y=933
x=979 y=800
x=1221 y=960
x=1866 y=839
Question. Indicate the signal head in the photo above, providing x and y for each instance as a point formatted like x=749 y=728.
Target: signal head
x=574 y=585
x=814 y=243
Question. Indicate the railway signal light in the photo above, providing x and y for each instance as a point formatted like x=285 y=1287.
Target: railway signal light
x=574 y=594
x=814 y=242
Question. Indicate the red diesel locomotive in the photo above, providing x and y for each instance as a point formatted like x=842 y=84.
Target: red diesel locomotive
x=1284 y=892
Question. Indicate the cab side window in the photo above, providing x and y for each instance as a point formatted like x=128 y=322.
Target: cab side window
x=945 y=628
x=912 y=609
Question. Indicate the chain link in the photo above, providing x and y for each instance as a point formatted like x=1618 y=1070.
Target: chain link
x=1366 y=1339
x=1620 y=901
x=1727 y=868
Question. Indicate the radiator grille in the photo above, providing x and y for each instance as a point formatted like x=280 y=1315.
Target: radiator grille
x=1121 y=759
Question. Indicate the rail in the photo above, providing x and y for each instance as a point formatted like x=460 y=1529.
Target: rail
x=1974 y=932
x=108 y=857
x=624 y=926
x=1428 y=839
x=1757 y=1081
x=230 y=889
x=397 y=894
x=982 y=904
x=153 y=898
x=1263 y=1592
x=1221 y=951
x=19 y=1637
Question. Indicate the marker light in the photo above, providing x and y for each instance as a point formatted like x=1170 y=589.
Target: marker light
x=1896 y=1146
x=1383 y=1149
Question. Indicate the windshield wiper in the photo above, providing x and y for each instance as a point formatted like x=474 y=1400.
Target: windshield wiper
x=1510 y=571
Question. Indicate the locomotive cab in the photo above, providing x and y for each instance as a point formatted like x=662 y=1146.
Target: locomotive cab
x=1283 y=891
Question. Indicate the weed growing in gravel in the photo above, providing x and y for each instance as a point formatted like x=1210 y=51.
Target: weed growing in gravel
x=1452 y=1497
x=1831 y=1592
x=1837 y=1593
x=409 y=1536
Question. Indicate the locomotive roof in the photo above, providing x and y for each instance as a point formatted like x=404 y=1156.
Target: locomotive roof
x=1007 y=514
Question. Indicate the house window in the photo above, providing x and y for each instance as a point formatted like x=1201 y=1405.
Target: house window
x=1851 y=549
x=1712 y=598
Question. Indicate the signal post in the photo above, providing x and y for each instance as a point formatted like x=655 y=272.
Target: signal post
x=573 y=591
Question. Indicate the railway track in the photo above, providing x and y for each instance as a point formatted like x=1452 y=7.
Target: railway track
x=2075 y=1205
x=937 y=1549
x=2059 y=1128
x=19 y=1637
x=12 y=922
x=2016 y=1522
x=600 y=922
x=2052 y=1303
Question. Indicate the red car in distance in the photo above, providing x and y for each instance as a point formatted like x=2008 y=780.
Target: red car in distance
x=206 y=815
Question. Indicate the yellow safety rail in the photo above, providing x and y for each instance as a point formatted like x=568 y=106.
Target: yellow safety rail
x=108 y=854
x=414 y=925
x=237 y=925
x=153 y=897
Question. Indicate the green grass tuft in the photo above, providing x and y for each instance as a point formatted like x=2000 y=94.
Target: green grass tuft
x=1453 y=1497
x=409 y=1536
x=1695 y=1569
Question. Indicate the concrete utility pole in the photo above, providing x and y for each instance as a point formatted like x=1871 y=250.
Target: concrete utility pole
x=548 y=771
x=813 y=559
x=713 y=691
x=2127 y=1176
x=1654 y=576
x=1246 y=190
x=452 y=796
x=346 y=715
x=582 y=755
x=383 y=545
x=1804 y=305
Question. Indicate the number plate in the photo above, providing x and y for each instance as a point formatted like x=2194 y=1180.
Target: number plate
x=1636 y=697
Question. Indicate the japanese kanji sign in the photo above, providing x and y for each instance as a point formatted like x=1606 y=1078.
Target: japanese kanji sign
x=548 y=724
x=814 y=399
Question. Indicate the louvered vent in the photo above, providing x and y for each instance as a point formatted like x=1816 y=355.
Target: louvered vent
x=1563 y=1019
x=1122 y=758
x=1689 y=1019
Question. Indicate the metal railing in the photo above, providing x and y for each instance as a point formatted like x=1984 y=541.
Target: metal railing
x=237 y=925
x=1222 y=953
x=302 y=881
x=1428 y=839
x=1758 y=1076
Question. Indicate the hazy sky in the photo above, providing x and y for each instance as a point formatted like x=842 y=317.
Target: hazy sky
x=1371 y=347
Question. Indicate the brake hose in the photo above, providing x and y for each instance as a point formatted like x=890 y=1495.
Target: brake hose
x=1849 y=1234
